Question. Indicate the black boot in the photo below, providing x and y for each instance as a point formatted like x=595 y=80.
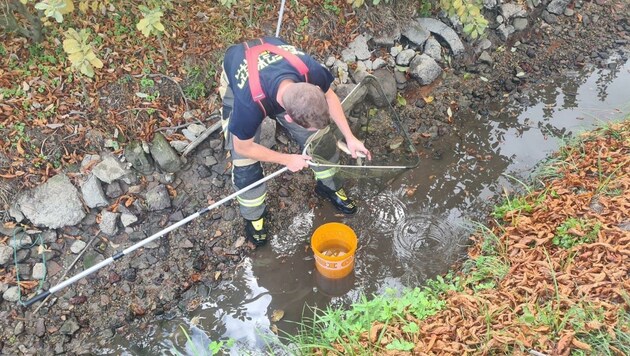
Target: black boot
x=256 y=230
x=337 y=198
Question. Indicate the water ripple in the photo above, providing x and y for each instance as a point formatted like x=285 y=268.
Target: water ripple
x=386 y=211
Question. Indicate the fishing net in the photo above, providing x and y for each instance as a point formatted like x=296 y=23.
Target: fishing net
x=381 y=130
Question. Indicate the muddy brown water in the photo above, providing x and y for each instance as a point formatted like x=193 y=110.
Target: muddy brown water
x=414 y=229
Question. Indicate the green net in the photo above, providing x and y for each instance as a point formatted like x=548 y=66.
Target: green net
x=381 y=130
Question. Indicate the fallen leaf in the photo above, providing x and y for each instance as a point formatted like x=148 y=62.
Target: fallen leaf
x=217 y=274
x=276 y=315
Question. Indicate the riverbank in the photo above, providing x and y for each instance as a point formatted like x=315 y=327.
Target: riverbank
x=547 y=275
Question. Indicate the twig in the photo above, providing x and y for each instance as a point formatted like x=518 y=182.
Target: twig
x=181 y=92
x=185 y=124
x=201 y=138
x=132 y=109
x=68 y=269
x=536 y=353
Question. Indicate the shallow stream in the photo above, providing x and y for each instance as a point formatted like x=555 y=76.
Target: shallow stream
x=415 y=229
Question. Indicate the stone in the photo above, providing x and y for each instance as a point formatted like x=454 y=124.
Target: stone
x=485 y=44
x=190 y=136
x=395 y=50
x=489 y=4
x=77 y=246
x=164 y=155
x=388 y=36
x=519 y=24
x=92 y=192
x=108 y=222
x=433 y=49
x=109 y=169
x=179 y=145
x=40 y=327
x=39 y=271
x=443 y=31
x=114 y=190
x=404 y=58
x=19 y=328
x=330 y=61
x=388 y=83
x=505 y=31
x=196 y=129
x=569 y=12
x=486 y=58
x=424 y=69
x=210 y=161
x=89 y=161
x=512 y=10
x=53 y=204
x=549 y=17
x=15 y=213
x=416 y=33
x=359 y=48
x=344 y=90
x=185 y=243
x=557 y=7
x=401 y=78
x=6 y=253
x=157 y=198
x=268 y=133
x=136 y=155
x=49 y=236
x=127 y=218
x=378 y=63
x=69 y=327
x=53 y=268
x=12 y=294
x=21 y=240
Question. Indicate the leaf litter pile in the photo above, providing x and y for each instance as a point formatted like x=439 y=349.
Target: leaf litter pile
x=550 y=276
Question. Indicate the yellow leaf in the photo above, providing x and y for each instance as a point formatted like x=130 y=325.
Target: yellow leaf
x=87 y=69
x=159 y=27
x=68 y=8
x=83 y=6
x=428 y=99
x=142 y=24
x=94 y=6
x=76 y=58
x=71 y=46
x=217 y=274
x=96 y=63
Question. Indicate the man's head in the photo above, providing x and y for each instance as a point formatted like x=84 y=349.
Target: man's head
x=306 y=105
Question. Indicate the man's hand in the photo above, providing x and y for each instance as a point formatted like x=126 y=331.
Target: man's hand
x=297 y=162
x=354 y=145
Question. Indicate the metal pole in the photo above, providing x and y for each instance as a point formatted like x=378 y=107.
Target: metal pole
x=314 y=164
x=280 y=14
x=132 y=248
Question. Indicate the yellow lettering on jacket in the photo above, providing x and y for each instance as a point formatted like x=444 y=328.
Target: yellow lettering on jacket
x=265 y=59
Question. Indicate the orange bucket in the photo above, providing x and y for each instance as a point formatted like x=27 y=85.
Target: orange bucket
x=334 y=245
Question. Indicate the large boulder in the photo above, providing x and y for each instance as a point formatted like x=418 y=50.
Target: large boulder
x=53 y=204
x=387 y=82
x=164 y=155
x=424 y=69
x=443 y=31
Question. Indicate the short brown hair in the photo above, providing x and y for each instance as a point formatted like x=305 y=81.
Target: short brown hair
x=307 y=105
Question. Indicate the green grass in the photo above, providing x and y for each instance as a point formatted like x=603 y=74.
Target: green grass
x=344 y=327
x=575 y=231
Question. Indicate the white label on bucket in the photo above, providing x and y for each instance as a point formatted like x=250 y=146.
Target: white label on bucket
x=334 y=265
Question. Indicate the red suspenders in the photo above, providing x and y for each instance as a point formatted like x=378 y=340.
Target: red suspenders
x=252 y=51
